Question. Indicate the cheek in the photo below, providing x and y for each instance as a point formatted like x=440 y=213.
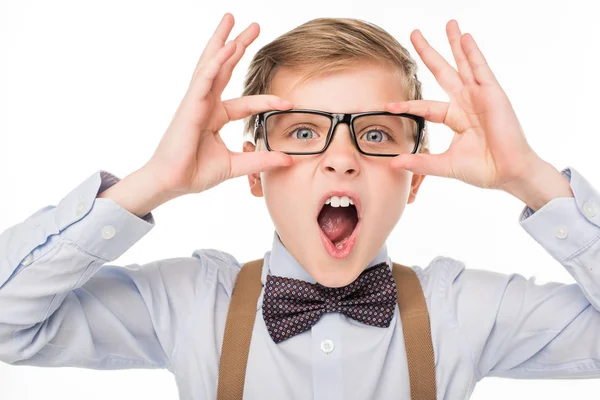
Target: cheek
x=393 y=186
x=287 y=182
x=286 y=194
x=276 y=183
x=391 y=179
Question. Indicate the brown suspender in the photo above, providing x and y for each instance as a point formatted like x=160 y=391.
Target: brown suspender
x=417 y=333
x=242 y=312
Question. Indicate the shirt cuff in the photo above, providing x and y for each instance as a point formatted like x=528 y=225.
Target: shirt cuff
x=99 y=225
x=565 y=225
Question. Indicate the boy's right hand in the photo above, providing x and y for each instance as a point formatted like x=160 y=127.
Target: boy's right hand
x=191 y=156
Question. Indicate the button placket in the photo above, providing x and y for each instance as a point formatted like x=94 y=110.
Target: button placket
x=327 y=346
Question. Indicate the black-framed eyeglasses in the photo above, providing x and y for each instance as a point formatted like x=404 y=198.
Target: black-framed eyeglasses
x=374 y=133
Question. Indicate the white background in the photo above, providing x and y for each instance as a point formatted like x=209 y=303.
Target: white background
x=93 y=85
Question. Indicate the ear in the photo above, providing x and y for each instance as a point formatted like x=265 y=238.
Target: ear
x=253 y=179
x=417 y=180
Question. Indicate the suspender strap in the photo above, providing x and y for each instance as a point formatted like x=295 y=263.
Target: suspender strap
x=417 y=333
x=238 y=331
x=242 y=313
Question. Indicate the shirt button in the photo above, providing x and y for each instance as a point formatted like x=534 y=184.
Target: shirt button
x=561 y=231
x=27 y=260
x=108 y=232
x=80 y=210
x=589 y=209
x=327 y=346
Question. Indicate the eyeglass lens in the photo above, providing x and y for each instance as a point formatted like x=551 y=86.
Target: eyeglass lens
x=307 y=133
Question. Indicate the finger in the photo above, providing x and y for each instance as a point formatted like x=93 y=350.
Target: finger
x=245 y=106
x=203 y=83
x=216 y=42
x=481 y=70
x=464 y=69
x=243 y=40
x=258 y=161
x=424 y=164
x=431 y=110
x=444 y=73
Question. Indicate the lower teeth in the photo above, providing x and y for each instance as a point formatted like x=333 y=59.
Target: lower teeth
x=340 y=246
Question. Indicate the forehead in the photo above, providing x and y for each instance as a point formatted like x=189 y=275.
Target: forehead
x=366 y=87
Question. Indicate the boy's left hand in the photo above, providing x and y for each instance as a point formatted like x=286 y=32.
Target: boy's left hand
x=489 y=148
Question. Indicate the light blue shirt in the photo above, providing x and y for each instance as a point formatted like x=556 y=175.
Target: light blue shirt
x=61 y=304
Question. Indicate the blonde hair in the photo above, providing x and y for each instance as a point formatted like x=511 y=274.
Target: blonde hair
x=325 y=45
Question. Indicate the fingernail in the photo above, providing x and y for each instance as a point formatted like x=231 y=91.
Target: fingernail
x=285 y=103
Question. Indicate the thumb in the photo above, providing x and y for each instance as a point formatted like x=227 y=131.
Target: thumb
x=423 y=164
x=258 y=161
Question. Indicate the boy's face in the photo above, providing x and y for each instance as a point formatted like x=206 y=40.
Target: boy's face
x=294 y=194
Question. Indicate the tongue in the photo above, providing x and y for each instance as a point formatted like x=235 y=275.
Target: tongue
x=337 y=222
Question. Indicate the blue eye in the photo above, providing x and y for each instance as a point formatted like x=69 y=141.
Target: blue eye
x=305 y=134
x=377 y=135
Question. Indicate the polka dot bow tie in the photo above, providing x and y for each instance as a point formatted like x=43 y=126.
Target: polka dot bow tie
x=291 y=306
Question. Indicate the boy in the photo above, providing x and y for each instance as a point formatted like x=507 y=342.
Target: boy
x=333 y=207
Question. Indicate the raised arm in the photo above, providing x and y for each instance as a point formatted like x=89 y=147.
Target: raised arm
x=517 y=328
x=60 y=305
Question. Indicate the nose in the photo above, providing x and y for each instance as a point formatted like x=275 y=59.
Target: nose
x=341 y=157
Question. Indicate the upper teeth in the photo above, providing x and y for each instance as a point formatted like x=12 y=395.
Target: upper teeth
x=336 y=201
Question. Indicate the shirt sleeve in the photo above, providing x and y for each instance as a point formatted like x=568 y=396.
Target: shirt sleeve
x=526 y=330
x=62 y=305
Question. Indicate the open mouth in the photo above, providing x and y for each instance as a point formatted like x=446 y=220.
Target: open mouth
x=339 y=221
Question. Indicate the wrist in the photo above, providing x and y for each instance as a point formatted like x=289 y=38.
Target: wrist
x=541 y=184
x=139 y=193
